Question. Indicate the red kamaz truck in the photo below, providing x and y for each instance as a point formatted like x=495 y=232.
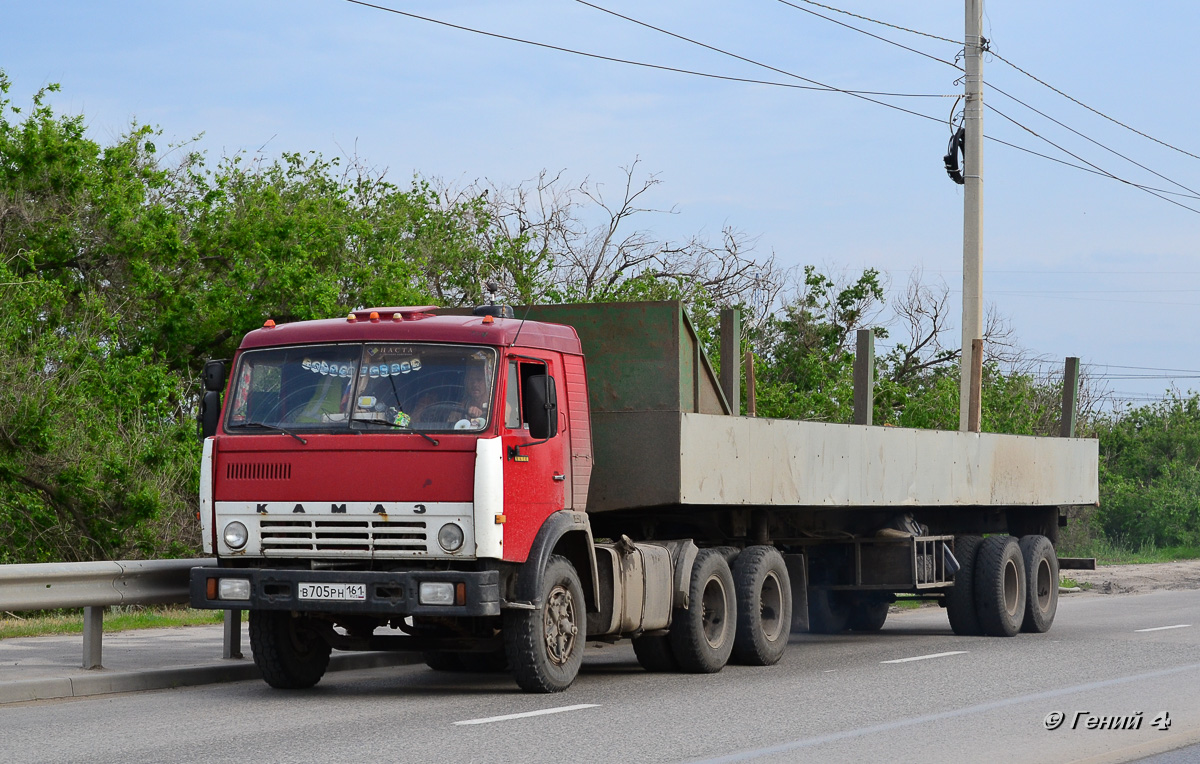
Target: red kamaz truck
x=495 y=492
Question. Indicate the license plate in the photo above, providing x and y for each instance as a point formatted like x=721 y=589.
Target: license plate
x=353 y=592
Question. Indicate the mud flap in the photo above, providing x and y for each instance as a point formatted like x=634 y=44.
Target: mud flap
x=798 y=573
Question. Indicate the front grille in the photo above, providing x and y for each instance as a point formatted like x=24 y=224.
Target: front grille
x=368 y=536
x=259 y=471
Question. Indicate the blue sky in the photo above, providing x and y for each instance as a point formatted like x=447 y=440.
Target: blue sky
x=1081 y=264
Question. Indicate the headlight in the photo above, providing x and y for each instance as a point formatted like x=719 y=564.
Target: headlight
x=234 y=589
x=236 y=535
x=450 y=537
x=431 y=593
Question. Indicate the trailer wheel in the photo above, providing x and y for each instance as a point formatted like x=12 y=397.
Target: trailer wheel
x=868 y=614
x=290 y=653
x=1041 y=576
x=764 y=606
x=702 y=636
x=828 y=612
x=545 y=646
x=654 y=653
x=1000 y=586
x=960 y=598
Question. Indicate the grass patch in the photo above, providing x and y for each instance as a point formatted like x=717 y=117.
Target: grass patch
x=120 y=618
x=907 y=602
x=1070 y=583
x=1108 y=553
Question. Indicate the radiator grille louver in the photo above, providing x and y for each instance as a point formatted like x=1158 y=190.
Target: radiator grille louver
x=372 y=536
x=259 y=471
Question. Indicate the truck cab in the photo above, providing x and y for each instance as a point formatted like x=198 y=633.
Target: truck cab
x=392 y=466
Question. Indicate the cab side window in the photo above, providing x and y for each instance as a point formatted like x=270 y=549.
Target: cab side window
x=512 y=398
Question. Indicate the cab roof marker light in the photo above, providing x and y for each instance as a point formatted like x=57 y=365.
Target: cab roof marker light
x=269 y=323
x=350 y=319
x=374 y=317
x=397 y=317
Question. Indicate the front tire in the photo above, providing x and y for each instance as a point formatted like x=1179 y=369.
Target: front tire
x=764 y=606
x=1000 y=587
x=545 y=646
x=1041 y=577
x=702 y=636
x=290 y=652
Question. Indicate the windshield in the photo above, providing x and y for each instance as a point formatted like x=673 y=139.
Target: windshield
x=380 y=387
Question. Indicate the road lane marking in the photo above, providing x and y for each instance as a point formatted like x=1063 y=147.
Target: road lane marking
x=1162 y=628
x=833 y=737
x=543 y=712
x=926 y=657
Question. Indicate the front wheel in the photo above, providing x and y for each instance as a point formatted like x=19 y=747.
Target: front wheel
x=545 y=646
x=290 y=652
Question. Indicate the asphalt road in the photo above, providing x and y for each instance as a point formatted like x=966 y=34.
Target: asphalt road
x=913 y=692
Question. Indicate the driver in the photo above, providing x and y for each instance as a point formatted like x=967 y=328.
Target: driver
x=468 y=412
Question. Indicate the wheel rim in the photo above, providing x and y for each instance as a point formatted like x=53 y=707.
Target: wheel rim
x=712 y=614
x=559 y=622
x=303 y=639
x=771 y=607
x=1044 y=583
x=1011 y=595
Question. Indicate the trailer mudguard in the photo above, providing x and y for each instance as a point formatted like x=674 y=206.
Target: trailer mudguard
x=566 y=533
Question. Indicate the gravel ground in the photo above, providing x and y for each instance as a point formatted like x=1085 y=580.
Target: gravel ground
x=1137 y=579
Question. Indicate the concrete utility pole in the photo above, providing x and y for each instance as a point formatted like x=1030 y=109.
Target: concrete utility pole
x=972 y=292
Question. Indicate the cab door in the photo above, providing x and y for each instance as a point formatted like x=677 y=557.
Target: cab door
x=535 y=473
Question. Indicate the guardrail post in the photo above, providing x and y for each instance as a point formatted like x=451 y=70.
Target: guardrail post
x=233 y=634
x=93 y=635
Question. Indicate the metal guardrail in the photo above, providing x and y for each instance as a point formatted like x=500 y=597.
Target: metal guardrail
x=94 y=586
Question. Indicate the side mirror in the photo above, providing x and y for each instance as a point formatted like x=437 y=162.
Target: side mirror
x=210 y=402
x=210 y=411
x=541 y=406
x=214 y=376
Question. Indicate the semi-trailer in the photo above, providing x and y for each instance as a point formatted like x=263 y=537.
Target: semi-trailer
x=494 y=492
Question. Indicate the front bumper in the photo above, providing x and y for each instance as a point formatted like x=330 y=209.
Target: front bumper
x=388 y=593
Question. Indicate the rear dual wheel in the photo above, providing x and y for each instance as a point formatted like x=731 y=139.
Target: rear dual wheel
x=1000 y=586
x=702 y=636
x=764 y=606
x=1041 y=576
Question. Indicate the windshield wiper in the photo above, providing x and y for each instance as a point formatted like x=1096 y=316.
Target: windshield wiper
x=269 y=427
x=393 y=424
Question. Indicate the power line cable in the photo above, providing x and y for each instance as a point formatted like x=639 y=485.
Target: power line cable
x=1004 y=60
x=869 y=34
x=661 y=67
x=1192 y=192
x=1086 y=138
x=1089 y=108
x=1097 y=170
x=1090 y=164
x=876 y=21
x=724 y=52
x=817 y=86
